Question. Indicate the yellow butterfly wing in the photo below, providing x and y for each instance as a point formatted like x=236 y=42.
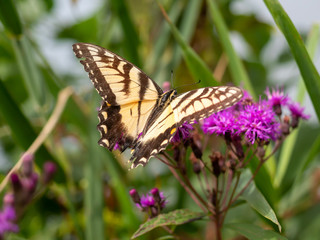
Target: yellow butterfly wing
x=129 y=94
x=187 y=107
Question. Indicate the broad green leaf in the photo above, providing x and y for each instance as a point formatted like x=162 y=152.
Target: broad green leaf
x=256 y=200
x=176 y=217
x=288 y=145
x=307 y=69
x=10 y=18
x=197 y=67
x=254 y=232
x=238 y=71
x=263 y=180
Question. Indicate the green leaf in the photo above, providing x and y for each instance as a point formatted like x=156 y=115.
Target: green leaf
x=84 y=31
x=238 y=71
x=288 y=145
x=176 y=217
x=94 y=191
x=154 y=60
x=188 y=26
x=117 y=181
x=263 y=180
x=197 y=67
x=10 y=18
x=307 y=69
x=30 y=71
x=256 y=200
x=254 y=232
x=22 y=132
x=131 y=37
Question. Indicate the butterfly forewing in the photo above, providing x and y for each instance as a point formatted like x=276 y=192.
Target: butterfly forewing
x=129 y=94
x=117 y=81
x=187 y=107
x=201 y=103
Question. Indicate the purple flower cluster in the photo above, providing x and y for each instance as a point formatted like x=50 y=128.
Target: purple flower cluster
x=182 y=133
x=255 y=121
x=23 y=187
x=152 y=202
x=7 y=221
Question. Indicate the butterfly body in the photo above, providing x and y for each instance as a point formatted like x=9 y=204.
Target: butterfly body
x=136 y=113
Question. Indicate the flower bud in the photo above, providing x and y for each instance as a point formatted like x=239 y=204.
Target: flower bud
x=156 y=195
x=27 y=164
x=49 y=169
x=231 y=164
x=285 y=125
x=195 y=163
x=277 y=109
x=294 y=121
x=166 y=86
x=16 y=183
x=236 y=140
x=196 y=150
x=8 y=199
x=217 y=161
x=135 y=196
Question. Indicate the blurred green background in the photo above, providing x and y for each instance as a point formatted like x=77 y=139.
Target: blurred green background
x=220 y=43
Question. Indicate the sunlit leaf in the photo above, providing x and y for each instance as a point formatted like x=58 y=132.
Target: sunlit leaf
x=176 y=217
x=253 y=232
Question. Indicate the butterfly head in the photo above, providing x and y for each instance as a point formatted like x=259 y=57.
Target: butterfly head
x=167 y=97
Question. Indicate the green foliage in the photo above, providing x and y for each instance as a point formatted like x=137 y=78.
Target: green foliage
x=176 y=217
x=89 y=196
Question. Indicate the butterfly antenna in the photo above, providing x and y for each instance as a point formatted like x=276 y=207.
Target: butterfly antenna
x=172 y=79
x=190 y=84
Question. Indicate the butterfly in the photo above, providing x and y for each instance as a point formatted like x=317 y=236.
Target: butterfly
x=135 y=112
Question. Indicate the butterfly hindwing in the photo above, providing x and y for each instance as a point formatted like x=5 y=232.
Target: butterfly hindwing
x=155 y=138
x=123 y=124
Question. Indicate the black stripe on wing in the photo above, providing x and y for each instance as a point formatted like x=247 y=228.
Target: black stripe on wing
x=113 y=129
x=201 y=103
x=143 y=151
x=116 y=80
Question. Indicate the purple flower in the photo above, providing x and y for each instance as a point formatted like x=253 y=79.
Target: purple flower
x=27 y=165
x=257 y=121
x=297 y=111
x=7 y=218
x=166 y=86
x=147 y=201
x=182 y=133
x=116 y=147
x=152 y=199
x=135 y=196
x=276 y=97
x=221 y=123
